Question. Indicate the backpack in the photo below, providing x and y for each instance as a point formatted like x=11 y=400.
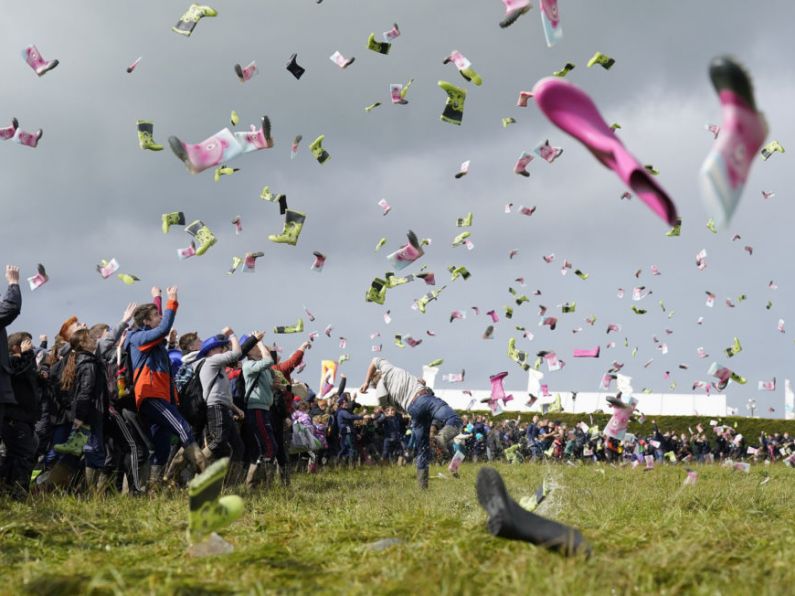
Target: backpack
x=111 y=379
x=191 y=398
x=126 y=378
x=239 y=395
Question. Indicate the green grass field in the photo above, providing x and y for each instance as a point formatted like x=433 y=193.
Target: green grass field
x=729 y=534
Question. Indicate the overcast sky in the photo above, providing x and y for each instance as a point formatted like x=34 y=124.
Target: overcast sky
x=89 y=193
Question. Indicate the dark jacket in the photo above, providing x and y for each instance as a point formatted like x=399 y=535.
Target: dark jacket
x=393 y=426
x=90 y=390
x=345 y=420
x=10 y=307
x=27 y=389
x=60 y=400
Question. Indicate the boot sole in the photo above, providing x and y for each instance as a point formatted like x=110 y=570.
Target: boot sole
x=727 y=74
x=493 y=497
x=266 y=130
x=52 y=65
x=511 y=18
x=179 y=150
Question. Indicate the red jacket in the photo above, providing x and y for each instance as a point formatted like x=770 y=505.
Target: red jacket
x=286 y=367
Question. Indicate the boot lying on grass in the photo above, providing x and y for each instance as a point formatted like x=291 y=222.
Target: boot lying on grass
x=507 y=519
x=208 y=512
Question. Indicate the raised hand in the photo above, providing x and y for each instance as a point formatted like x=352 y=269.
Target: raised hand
x=12 y=274
x=128 y=312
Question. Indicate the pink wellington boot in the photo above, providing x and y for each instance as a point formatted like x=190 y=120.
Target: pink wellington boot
x=222 y=147
x=497 y=390
x=245 y=74
x=513 y=10
x=617 y=425
x=405 y=256
x=29 y=139
x=39 y=65
x=256 y=139
x=9 y=131
x=550 y=20
x=204 y=155
x=725 y=171
x=571 y=110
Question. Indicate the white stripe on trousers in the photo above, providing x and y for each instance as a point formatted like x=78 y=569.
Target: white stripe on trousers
x=169 y=417
x=133 y=449
x=215 y=426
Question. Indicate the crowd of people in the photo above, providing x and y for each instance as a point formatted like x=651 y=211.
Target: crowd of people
x=542 y=438
x=136 y=406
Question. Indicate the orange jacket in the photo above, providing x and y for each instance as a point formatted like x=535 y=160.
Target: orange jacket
x=151 y=365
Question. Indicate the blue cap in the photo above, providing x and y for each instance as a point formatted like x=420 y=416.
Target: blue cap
x=216 y=341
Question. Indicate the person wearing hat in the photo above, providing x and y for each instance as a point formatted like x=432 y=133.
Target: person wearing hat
x=155 y=394
x=223 y=434
x=397 y=386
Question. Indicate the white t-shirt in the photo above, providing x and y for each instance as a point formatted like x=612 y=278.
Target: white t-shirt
x=399 y=385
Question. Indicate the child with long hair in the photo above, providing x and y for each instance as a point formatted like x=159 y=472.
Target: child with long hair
x=83 y=377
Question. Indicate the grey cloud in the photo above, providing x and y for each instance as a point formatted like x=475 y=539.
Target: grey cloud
x=88 y=192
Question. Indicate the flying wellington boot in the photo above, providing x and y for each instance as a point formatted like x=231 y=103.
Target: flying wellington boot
x=454 y=107
x=146 y=138
x=204 y=236
x=35 y=60
x=294 y=68
x=293 y=224
x=29 y=139
x=726 y=168
x=382 y=47
x=316 y=147
x=175 y=218
x=209 y=153
x=191 y=17
x=256 y=139
x=513 y=10
x=297 y=328
x=572 y=110
x=521 y=358
x=377 y=291
x=464 y=67
x=245 y=74
x=8 y=132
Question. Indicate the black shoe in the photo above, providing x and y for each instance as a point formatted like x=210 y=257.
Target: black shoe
x=507 y=519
